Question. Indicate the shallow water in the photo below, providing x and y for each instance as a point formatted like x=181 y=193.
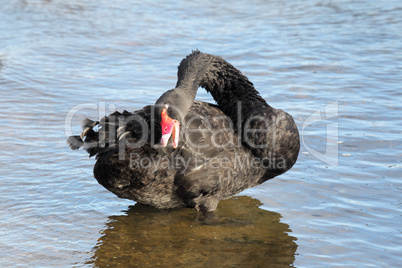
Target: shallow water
x=334 y=65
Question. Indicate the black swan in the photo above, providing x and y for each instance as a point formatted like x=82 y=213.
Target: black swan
x=215 y=151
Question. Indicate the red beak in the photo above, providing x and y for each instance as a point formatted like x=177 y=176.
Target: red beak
x=170 y=127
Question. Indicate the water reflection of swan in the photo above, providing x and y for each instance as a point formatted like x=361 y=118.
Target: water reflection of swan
x=247 y=237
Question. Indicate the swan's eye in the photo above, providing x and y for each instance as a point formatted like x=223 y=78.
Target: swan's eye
x=165 y=128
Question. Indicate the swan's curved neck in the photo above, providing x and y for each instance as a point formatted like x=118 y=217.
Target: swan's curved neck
x=228 y=86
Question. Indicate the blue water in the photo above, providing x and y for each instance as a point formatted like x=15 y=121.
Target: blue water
x=336 y=66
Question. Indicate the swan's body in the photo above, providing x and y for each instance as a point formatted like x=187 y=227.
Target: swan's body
x=222 y=149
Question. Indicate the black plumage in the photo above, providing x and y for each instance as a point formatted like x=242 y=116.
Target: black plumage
x=223 y=149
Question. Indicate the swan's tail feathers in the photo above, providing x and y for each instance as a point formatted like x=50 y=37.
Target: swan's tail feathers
x=88 y=139
x=107 y=136
x=88 y=123
x=75 y=142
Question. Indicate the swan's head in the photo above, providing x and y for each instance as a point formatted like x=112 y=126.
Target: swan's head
x=170 y=127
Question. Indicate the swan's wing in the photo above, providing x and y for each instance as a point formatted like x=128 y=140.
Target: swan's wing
x=213 y=158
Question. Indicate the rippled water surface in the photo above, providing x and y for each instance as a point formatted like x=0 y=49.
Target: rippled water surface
x=336 y=66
